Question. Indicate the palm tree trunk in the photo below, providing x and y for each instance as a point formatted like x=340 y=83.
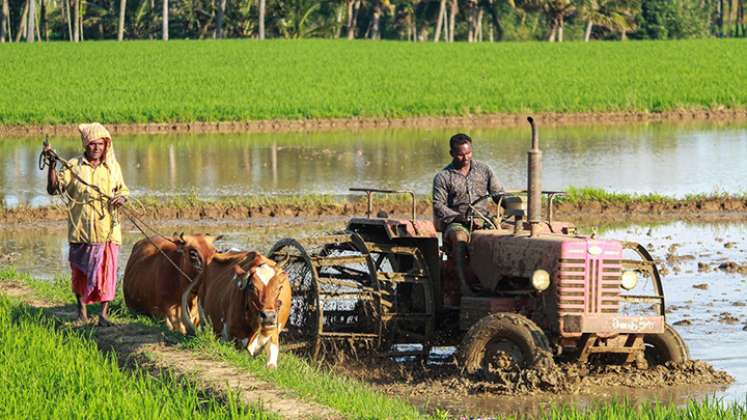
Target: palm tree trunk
x=560 y=29
x=439 y=21
x=375 y=21
x=121 y=25
x=80 y=19
x=471 y=33
x=76 y=19
x=43 y=25
x=220 y=11
x=4 y=21
x=452 y=19
x=262 y=10
x=66 y=15
x=353 y=9
x=587 y=34
x=553 y=31
x=480 y=14
x=414 y=26
x=31 y=30
x=165 y=21
x=21 y=33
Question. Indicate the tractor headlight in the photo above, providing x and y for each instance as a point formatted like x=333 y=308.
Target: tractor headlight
x=629 y=280
x=541 y=280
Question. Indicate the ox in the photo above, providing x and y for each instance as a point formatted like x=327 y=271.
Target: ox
x=154 y=287
x=247 y=298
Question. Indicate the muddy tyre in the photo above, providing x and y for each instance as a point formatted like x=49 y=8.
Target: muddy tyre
x=665 y=347
x=499 y=335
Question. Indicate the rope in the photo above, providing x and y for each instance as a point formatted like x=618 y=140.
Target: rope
x=50 y=158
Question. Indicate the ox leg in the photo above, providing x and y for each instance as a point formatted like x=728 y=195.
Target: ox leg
x=254 y=344
x=225 y=335
x=272 y=359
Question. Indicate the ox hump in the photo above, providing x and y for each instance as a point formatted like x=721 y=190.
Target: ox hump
x=265 y=273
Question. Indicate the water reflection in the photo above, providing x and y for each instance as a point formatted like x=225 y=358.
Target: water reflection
x=668 y=159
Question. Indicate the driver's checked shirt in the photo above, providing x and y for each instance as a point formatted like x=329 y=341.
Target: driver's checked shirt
x=452 y=191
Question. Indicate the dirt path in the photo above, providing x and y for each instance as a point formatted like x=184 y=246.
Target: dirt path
x=149 y=349
x=475 y=121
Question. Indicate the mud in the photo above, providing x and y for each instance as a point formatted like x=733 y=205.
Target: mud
x=473 y=121
x=566 y=378
x=590 y=212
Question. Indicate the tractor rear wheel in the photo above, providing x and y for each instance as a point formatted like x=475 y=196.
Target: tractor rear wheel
x=504 y=341
x=665 y=347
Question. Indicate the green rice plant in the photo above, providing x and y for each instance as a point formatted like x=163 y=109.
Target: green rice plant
x=51 y=373
x=708 y=409
x=240 y=80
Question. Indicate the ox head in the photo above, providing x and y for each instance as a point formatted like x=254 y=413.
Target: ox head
x=196 y=251
x=262 y=285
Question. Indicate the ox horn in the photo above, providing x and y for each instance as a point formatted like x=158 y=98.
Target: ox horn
x=185 y=307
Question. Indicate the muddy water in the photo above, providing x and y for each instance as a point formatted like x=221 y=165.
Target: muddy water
x=707 y=305
x=663 y=158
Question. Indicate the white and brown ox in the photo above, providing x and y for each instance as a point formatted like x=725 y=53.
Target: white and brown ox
x=153 y=286
x=246 y=297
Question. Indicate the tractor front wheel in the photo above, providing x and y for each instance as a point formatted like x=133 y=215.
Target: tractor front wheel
x=665 y=347
x=503 y=341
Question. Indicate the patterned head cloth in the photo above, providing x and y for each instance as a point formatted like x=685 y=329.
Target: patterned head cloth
x=95 y=131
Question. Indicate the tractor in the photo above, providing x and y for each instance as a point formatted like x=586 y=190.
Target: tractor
x=532 y=291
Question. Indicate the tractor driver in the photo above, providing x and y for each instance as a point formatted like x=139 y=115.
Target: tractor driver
x=454 y=188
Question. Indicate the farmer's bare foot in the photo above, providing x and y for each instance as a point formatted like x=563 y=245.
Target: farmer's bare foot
x=80 y=321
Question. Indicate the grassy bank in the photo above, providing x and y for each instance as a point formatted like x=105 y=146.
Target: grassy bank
x=588 y=203
x=239 y=80
x=47 y=372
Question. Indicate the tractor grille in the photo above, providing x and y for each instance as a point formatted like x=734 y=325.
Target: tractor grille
x=589 y=285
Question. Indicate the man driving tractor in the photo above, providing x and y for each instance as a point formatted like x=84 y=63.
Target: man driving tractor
x=454 y=188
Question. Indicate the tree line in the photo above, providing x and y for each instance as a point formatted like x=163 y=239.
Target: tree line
x=411 y=20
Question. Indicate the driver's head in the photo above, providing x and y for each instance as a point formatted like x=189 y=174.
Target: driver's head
x=460 y=149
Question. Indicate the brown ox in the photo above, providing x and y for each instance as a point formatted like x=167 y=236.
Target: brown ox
x=247 y=298
x=154 y=287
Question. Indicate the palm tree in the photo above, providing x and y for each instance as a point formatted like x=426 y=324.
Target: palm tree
x=440 y=20
x=262 y=10
x=614 y=15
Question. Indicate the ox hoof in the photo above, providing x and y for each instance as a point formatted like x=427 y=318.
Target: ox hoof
x=272 y=366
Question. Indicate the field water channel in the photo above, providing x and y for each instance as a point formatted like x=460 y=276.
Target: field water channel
x=662 y=158
x=705 y=294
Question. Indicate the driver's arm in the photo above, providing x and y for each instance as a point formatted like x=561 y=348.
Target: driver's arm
x=441 y=210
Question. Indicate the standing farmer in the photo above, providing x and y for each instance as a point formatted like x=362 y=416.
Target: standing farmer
x=93 y=186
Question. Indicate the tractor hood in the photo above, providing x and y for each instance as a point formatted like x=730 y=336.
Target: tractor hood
x=495 y=254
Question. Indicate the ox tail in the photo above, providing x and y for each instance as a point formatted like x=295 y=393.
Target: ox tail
x=186 y=319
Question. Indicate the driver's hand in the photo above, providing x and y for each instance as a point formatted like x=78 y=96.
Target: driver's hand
x=478 y=223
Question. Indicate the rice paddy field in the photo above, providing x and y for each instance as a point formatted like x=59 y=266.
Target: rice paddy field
x=239 y=80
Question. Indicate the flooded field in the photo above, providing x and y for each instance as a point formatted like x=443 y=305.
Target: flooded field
x=704 y=283
x=626 y=158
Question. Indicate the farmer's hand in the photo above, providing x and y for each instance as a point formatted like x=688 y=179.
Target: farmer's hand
x=117 y=202
x=46 y=148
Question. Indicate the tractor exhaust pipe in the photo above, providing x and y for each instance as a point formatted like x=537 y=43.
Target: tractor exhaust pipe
x=534 y=189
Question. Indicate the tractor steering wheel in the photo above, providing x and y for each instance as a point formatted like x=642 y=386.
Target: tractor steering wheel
x=473 y=212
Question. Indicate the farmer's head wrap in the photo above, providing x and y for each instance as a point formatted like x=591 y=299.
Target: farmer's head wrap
x=95 y=131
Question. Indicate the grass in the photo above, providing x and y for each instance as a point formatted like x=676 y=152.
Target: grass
x=240 y=80
x=51 y=373
x=28 y=330
x=709 y=409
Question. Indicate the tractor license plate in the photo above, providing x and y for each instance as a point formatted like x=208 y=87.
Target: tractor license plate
x=605 y=323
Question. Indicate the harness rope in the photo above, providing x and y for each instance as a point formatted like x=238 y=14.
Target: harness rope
x=50 y=158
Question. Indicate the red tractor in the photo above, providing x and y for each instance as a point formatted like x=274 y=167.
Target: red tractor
x=533 y=289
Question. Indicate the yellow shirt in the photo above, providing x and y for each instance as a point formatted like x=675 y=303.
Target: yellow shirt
x=90 y=220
